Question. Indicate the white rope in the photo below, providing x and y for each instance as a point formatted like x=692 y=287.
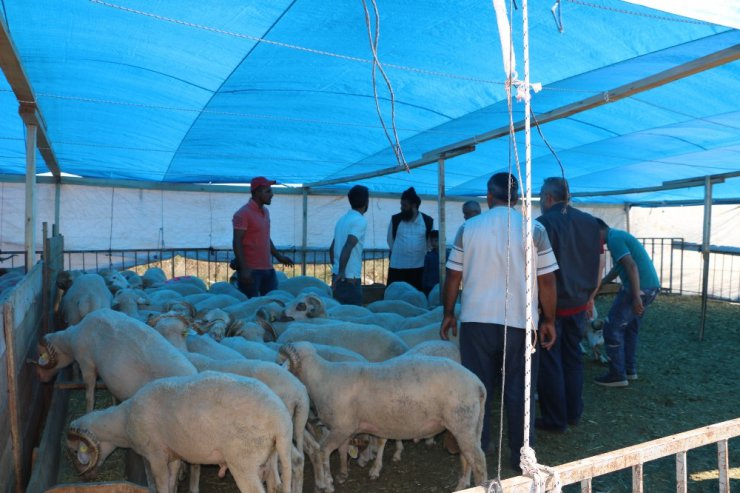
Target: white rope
x=539 y=473
x=374 y=40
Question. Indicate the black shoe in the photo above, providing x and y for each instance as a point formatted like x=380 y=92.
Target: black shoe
x=609 y=380
x=541 y=424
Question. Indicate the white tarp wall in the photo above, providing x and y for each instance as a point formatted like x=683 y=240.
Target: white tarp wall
x=102 y=218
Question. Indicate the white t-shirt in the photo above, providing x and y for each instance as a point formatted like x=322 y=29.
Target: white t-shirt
x=352 y=223
x=410 y=246
x=480 y=252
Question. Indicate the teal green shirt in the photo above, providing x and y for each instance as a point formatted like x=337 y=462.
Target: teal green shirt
x=621 y=243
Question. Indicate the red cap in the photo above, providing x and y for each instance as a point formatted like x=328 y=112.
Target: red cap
x=261 y=181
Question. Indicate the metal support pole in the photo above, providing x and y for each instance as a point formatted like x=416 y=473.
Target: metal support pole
x=441 y=206
x=30 y=239
x=705 y=252
x=305 y=230
x=57 y=206
x=627 y=208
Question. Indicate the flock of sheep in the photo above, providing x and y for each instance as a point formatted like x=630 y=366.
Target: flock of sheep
x=207 y=376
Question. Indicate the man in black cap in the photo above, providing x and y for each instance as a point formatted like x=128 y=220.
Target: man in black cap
x=408 y=239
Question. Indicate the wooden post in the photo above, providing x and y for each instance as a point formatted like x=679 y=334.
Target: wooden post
x=441 y=207
x=681 y=473
x=305 y=230
x=723 y=465
x=705 y=253
x=30 y=240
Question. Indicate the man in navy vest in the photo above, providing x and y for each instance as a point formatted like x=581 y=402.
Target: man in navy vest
x=408 y=239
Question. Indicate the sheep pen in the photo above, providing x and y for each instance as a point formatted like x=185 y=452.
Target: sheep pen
x=684 y=384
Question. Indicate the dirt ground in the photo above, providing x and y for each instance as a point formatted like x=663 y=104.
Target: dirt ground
x=683 y=384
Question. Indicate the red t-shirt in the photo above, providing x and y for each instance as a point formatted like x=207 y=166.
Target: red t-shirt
x=255 y=222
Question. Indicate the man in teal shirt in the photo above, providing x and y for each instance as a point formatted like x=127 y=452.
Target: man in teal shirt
x=640 y=286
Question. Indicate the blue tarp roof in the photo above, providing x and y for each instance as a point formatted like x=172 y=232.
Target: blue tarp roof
x=214 y=91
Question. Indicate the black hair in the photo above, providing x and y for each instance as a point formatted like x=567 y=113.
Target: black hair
x=358 y=196
x=557 y=188
x=410 y=195
x=504 y=187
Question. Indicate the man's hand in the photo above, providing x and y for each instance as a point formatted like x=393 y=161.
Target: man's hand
x=590 y=309
x=547 y=334
x=637 y=306
x=448 y=322
x=287 y=261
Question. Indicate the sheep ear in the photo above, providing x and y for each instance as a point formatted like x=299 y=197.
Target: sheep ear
x=317 y=306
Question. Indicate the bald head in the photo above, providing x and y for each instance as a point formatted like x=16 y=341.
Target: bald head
x=471 y=208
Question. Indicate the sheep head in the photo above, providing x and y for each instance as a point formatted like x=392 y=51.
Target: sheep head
x=306 y=306
x=289 y=353
x=272 y=312
x=84 y=449
x=46 y=365
x=182 y=307
x=268 y=328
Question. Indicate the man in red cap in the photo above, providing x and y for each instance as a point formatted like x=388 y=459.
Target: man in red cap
x=252 y=244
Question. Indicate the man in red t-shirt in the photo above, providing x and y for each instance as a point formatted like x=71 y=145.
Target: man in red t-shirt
x=252 y=244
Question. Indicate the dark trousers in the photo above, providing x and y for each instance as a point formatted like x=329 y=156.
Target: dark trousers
x=482 y=352
x=560 y=380
x=348 y=291
x=414 y=277
x=263 y=281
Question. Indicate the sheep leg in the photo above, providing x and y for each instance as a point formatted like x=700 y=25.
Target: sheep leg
x=368 y=452
x=311 y=447
x=298 y=461
x=160 y=474
x=89 y=377
x=194 y=482
x=399 y=449
x=329 y=444
x=471 y=456
x=343 y=462
x=173 y=470
x=378 y=464
x=246 y=482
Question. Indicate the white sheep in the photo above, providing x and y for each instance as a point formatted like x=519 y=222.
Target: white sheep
x=222 y=287
x=295 y=285
x=345 y=312
x=305 y=305
x=114 y=280
x=433 y=299
x=206 y=346
x=402 y=308
x=329 y=353
x=86 y=294
x=430 y=332
x=432 y=316
x=404 y=291
x=131 y=301
x=153 y=277
x=286 y=386
x=403 y=398
x=372 y=342
x=134 y=280
x=249 y=349
x=125 y=352
x=215 y=301
x=208 y=418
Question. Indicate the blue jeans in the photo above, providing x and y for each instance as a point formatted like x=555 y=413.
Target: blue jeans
x=560 y=381
x=263 y=281
x=348 y=291
x=621 y=332
x=482 y=352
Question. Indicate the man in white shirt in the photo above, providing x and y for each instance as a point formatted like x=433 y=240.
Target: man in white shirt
x=408 y=239
x=488 y=258
x=345 y=251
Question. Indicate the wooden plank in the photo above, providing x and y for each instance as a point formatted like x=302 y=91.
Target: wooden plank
x=637 y=478
x=13 y=410
x=723 y=465
x=598 y=465
x=46 y=468
x=682 y=483
x=586 y=486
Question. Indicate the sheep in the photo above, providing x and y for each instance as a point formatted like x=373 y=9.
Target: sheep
x=216 y=323
x=247 y=309
x=402 y=398
x=432 y=316
x=305 y=305
x=215 y=301
x=404 y=291
x=159 y=297
x=129 y=300
x=433 y=299
x=114 y=280
x=295 y=285
x=249 y=349
x=286 y=386
x=207 y=418
x=329 y=353
x=153 y=277
x=173 y=327
x=250 y=331
x=372 y=342
x=125 y=352
x=208 y=347
x=86 y=294
x=343 y=312
x=227 y=288
x=396 y=306
x=134 y=280
x=430 y=332
x=185 y=286
x=196 y=298
x=389 y=321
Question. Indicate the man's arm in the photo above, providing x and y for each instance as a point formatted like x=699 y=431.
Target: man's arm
x=344 y=256
x=280 y=257
x=243 y=272
x=449 y=297
x=611 y=275
x=633 y=274
x=390 y=234
x=602 y=264
x=331 y=252
x=548 y=293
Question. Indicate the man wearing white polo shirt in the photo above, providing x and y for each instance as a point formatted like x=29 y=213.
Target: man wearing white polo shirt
x=345 y=251
x=488 y=258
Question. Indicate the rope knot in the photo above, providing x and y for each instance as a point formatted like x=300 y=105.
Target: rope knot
x=538 y=472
